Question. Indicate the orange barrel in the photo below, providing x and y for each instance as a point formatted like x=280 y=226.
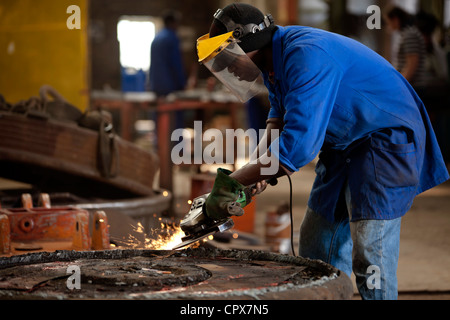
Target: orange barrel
x=246 y=222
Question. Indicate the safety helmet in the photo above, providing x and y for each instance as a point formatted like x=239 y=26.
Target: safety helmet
x=250 y=26
x=223 y=54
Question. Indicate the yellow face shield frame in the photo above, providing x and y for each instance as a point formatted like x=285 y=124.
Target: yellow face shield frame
x=223 y=56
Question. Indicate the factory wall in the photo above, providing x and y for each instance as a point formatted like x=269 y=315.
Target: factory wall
x=37 y=47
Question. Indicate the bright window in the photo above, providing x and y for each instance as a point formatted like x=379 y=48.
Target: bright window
x=135 y=35
x=410 y=6
x=447 y=13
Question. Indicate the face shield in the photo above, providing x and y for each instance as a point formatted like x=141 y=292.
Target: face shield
x=223 y=56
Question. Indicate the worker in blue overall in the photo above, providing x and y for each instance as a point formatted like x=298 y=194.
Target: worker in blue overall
x=167 y=74
x=334 y=98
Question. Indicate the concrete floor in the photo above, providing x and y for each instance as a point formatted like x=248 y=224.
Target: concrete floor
x=424 y=263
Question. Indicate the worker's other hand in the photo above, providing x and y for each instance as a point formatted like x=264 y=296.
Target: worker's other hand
x=227 y=198
x=259 y=187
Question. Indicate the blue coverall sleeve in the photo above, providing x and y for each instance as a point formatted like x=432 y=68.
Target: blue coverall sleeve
x=312 y=79
x=274 y=111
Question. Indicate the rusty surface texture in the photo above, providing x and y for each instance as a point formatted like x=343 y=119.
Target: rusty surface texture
x=32 y=148
x=201 y=273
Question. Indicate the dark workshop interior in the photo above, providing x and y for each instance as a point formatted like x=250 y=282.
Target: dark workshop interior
x=90 y=155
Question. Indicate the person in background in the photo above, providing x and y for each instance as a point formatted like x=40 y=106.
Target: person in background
x=435 y=92
x=436 y=64
x=410 y=53
x=167 y=74
x=166 y=70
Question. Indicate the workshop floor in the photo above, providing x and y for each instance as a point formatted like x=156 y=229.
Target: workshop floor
x=424 y=263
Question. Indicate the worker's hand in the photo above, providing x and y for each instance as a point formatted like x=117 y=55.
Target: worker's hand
x=227 y=198
x=259 y=187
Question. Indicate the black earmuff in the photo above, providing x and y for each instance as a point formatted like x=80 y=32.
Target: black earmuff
x=238 y=32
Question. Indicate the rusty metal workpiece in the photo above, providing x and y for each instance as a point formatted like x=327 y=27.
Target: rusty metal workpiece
x=201 y=273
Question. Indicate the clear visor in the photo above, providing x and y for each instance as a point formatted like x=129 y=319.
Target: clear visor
x=237 y=72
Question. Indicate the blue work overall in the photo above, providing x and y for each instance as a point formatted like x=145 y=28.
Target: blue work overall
x=377 y=150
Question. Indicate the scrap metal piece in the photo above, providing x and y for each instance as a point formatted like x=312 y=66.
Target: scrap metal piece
x=100 y=231
x=5 y=237
x=27 y=201
x=50 y=228
x=81 y=237
x=165 y=275
x=40 y=223
x=44 y=200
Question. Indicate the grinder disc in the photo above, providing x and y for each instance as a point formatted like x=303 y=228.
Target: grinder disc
x=220 y=226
